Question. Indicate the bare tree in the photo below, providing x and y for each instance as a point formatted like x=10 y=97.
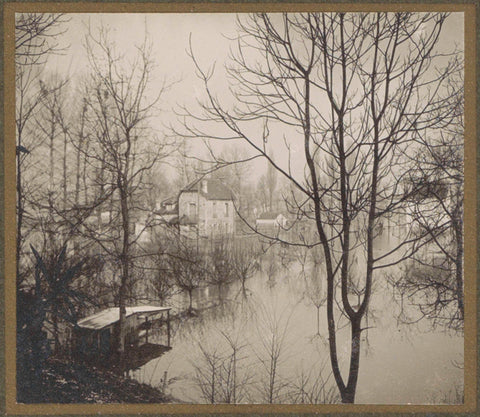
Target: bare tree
x=244 y=261
x=221 y=371
x=220 y=271
x=186 y=267
x=354 y=89
x=435 y=281
x=35 y=35
x=206 y=373
x=119 y=105
x=261 y=193
x=312 y=387
x=29 y=95
x=185 y=165
x=272 y=328
x=52 y=127
x=162 y=283
x=271 y=181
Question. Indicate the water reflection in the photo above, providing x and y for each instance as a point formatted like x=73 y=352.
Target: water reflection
x=264 y=345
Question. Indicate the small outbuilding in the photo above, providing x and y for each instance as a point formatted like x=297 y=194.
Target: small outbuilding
x=94 y=335
x=270 y=221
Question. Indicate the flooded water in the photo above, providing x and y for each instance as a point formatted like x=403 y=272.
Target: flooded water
x=266 y=346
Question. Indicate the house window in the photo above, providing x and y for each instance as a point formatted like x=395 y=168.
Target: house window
x=214 y=210
x=226 y=209
x=192 y=209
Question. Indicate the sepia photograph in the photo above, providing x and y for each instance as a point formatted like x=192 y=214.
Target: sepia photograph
x=240 y=208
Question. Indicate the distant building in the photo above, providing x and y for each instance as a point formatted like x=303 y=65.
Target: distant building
x=271 y=222
x=168 y=210
x=206 y=208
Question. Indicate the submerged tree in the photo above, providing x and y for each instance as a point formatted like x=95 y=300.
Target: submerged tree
x=186 y=267
x=351 y=91
x=220 y=272
x=244 y=261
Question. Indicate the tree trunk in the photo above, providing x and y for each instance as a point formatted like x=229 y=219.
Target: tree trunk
x=212 y=398
x=55 y=330
x=332 y=337
x=190 y=308
x=234 y=377
x=19 y=211
x=65 y=171
x=52 y=153
x=219 y=293
x=318 y=320
x=84 y=175
x=244 y=289
x=78 y=162
x=125 y=262
x=348 y=393
x=459 y=269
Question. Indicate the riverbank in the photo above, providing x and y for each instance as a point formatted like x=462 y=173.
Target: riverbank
x=64 y=382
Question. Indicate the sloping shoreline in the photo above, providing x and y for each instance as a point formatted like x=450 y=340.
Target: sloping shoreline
x=66 y=382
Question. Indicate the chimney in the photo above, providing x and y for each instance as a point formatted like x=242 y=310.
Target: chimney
x=204 y=186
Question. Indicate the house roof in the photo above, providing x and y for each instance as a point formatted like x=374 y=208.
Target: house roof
x=111 y=315
x=215 y=190
x=169 y=201
x=162 y=211
x=269 y=215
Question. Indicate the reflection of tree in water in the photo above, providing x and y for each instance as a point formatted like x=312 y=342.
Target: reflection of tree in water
x=270 y=268
x=272 y=325
x=242 y=355
x=219 y=267
x=221 y=370
x=311 y=261
x=259 y=366
x=245 y=262
x=312 y=384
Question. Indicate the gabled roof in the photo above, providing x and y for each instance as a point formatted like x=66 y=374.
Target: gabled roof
x=111 y=315
x=215 y=190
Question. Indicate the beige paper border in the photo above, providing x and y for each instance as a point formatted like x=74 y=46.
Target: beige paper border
x=470 y=405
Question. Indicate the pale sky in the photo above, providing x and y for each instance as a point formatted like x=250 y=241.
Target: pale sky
x=169 y=34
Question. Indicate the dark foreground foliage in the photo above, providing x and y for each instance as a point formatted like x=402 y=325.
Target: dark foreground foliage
x=64 y=381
